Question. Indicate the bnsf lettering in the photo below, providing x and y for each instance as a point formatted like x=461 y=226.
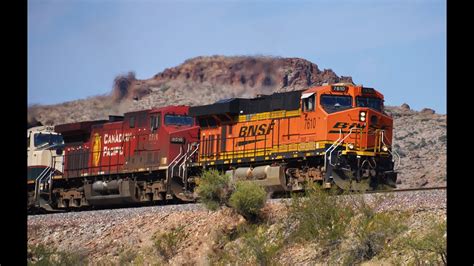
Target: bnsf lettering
x=346 y=125
x=256 y=130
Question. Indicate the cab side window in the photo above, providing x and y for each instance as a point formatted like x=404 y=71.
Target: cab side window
x=155 y=122
x=152 y=122
x=132 y=121
x=309 y=103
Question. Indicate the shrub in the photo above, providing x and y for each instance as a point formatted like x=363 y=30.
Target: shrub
x=167 y=243
x=253 y=245
x=127 y=256
x=213 y=189
x=248 y=199
x=429 y=247
x=421 y=144
x=258 y=244
x=442 y=138
x=372 y=232
x=43 y=255
x=319 y=216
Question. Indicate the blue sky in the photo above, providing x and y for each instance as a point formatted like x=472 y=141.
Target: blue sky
x=77 y=47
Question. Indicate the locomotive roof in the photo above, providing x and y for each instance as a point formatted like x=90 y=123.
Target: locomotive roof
x=238 y=106
x=350 y=88
x=157 y=109
x=72 y=128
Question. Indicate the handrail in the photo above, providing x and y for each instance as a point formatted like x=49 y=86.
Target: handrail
x=392 y=152
x=174 y=162
x=46 y=173
x=38 y=180
x=188 y=155
x=335 y=145
x=184 y=161
x=339 y=143
x=326 y=152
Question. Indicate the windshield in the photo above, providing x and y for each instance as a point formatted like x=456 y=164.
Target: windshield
x=41 y=139
x=178 y=120
x=335 y=103
x=374 y=103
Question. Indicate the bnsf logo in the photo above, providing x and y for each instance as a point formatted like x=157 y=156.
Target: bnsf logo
x=256 y=130
x=346 y=125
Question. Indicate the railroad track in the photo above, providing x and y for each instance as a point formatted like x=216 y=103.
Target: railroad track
x=406 y=189
x=277 y=198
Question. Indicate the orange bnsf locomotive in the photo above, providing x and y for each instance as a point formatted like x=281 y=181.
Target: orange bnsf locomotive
x=335 y=134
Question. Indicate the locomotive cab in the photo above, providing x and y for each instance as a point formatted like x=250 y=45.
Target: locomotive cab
x=44 y=148
x=361 y=156
x=45 y=162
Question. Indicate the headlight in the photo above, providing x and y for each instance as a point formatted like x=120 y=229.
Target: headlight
x=362 y=116
x=351 y=146
x=385 y=148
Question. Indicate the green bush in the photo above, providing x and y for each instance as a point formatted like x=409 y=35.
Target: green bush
x=249 y=244
x=43 y=255
x=259 y=245
x=319 y=216
x=167 y=243
x=248 y=199
x=372 y=232
x=213 y=189
x=127 y=257
x=429 y=247
x=442 y=138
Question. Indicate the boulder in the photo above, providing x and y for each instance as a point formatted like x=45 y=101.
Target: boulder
x=405 y=106
x=427 y=111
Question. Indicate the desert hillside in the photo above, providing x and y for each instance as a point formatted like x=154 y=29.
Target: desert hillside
x=201 y=80
x=392 y=229
x=420 y=136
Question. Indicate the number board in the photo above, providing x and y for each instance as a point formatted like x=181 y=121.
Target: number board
x=339 y=88
x=177 y=140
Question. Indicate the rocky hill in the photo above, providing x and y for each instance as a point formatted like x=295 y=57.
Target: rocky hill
x=420 y=140
x=420 y=137
x=201 y=80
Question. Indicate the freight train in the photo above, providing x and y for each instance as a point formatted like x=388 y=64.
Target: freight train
x=335 y=134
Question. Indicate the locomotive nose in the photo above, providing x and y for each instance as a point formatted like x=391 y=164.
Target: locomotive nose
x=369 y=117
x=374 y=119
x=370 y=124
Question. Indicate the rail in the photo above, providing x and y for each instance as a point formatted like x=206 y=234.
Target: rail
x=273 y=199
x=405 y=190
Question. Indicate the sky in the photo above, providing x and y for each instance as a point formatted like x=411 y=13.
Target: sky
x=77 y=47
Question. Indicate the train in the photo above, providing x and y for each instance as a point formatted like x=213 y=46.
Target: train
x=334 y=134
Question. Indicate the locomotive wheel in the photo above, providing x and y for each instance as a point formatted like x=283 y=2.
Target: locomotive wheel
x=346 y=181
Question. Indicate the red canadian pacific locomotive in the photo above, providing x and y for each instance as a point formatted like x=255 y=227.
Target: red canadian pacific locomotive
x=336 y=134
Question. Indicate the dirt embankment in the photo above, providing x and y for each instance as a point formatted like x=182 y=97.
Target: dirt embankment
x=124 y=235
